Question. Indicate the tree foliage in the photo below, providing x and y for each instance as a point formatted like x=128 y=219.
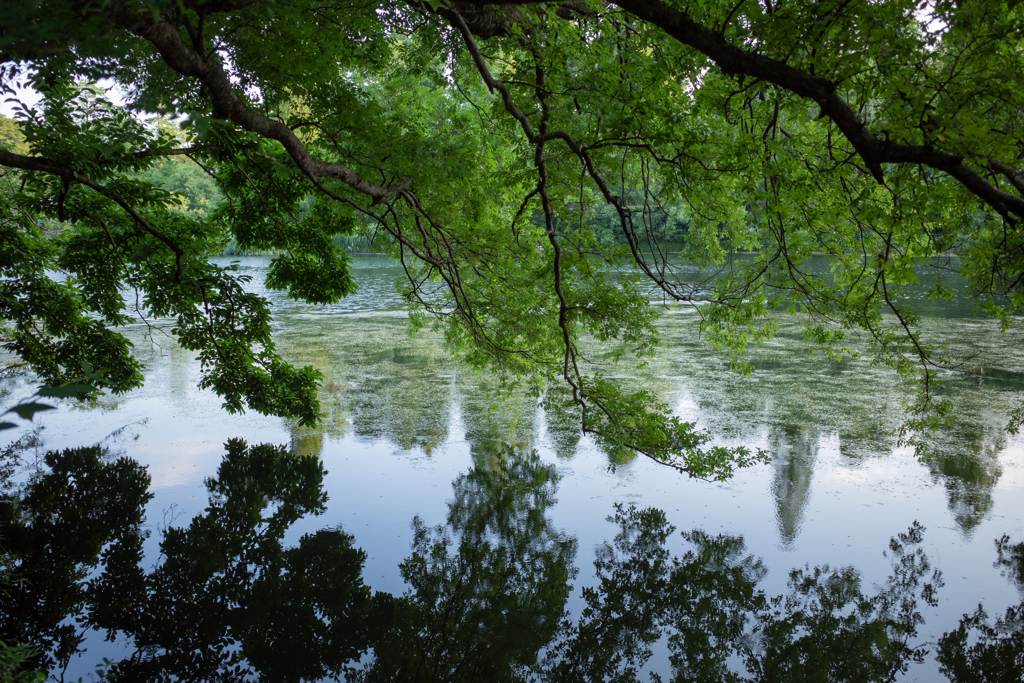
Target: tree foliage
x=515 y=158
x=11 y=137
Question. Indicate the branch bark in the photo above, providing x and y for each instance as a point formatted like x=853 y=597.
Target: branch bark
x=226 y=103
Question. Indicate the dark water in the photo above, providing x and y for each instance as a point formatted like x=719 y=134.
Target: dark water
x=528 y=507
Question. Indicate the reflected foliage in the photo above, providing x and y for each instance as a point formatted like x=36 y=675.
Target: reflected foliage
x=412 y=414
x=969 y=469
x=70 y=542
x=488 y=588
x=400 y=393
x=487 y=596
x=709 y=606
x=228 y=599
x=794 y=453
x=561 y=416
x=496 y=418
x=1010 y=559
x=978 y=651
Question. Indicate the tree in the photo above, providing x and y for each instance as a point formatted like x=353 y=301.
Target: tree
x=488 y=143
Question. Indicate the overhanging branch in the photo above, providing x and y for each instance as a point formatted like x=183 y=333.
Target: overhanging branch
x=226 y=103
x=43 y=165
x=736 y=61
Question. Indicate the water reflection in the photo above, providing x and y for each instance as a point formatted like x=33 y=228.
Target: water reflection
x=487 y=596
x=85 y=510
x=796 y=400
x=721 y=627
x=494 y=416
x=562 y=421
x=1010 y=560
x=228 y=599
x=413 y=413
x=382 y=385
x=967 y=464
x=488 y=588
x=794 y=451
x=979 y=651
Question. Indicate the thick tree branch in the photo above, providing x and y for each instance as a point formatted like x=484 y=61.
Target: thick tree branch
x=872 y=150
x=12 y=160
x=1015 y=176
x=226 y=103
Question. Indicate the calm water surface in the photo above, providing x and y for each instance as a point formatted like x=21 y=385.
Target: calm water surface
x=404 y=421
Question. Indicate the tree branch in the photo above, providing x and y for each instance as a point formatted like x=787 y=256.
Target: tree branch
x=226 y=103
x=42 y=165
x=873 y=151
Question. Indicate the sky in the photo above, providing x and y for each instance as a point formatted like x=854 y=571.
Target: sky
x=30 y=97
x=26 y=95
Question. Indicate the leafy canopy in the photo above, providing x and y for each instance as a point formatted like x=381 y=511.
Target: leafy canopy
x=528 y=164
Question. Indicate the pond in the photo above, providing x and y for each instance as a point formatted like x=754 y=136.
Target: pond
x=419 y=449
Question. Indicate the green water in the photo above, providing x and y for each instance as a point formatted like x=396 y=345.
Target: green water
x=405 y=423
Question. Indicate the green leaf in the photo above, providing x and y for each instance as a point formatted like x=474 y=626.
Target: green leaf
x=26 y=410
x=67 y=390
x=90 y=373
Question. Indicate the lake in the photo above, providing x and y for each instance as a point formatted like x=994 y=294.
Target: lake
x=404 y=421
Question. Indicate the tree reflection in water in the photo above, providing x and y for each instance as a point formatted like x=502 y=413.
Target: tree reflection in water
x=85 y=511
x=978 y=651
x=488 y=588
x=794 y=452
x=487 y=597
x=226 y=601
x=708 y=605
